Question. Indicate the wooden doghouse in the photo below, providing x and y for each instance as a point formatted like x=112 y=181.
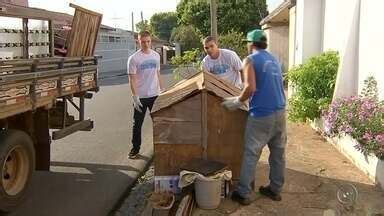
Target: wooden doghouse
x=189 y=122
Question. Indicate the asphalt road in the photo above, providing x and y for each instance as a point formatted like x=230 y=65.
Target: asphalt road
x=90 y=171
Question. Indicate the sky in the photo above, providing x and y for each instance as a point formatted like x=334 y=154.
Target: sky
x=117 y=13
x=272 y=4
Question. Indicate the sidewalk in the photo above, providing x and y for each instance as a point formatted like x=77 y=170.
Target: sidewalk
x=315 y=170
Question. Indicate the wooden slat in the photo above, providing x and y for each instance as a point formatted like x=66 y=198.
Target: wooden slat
x=196 y=83
x=84 y=9
x=225 y=134
x=171 y=124
x=26 y=12
x=83 y=35
x=169 y=132
x=51 y=39
x=25 y=39
x=187 y=110
x=204 y=122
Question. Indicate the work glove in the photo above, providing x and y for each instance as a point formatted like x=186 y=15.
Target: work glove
x=232 y=103
x=136 y=103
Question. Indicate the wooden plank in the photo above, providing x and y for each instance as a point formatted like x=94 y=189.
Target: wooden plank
x=81 y=125
x=170 y=132
x=42 y=139
x=204 y=122
x=187 y=110
x=221 y=83
x=169 y=157
x=84 y=9
x=171 y=124
x=198 y=82
x=83 y=35
x=51 y=39
x=222 y=94
x=25 y=39
x=225 y=134
x=26 y=12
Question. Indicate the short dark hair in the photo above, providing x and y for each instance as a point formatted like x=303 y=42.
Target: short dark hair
x=209 y=39
x=144 y=33
x=262 y=44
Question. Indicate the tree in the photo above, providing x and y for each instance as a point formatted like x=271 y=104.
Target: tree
x=196 y=13
x=232 y=40
x=143 y=26
x=187 y=36
x=162 y=24
x=240 y=15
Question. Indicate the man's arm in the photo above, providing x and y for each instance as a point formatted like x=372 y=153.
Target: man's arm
x=160 y=83
x=237 y=65
x=132 y=83
x=233 y=103
x=249 y=80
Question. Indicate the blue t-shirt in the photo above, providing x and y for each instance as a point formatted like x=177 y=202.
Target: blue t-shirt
x=269 y=96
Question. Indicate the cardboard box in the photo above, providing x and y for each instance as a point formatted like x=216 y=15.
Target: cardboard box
x=167 y=183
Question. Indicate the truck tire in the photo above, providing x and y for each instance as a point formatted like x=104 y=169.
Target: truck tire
x=17 y=163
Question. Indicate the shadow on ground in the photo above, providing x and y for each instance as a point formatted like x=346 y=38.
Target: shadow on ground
x=75 y=189
x=304 y=194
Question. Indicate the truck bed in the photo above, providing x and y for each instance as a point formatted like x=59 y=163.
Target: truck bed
x=29 y=84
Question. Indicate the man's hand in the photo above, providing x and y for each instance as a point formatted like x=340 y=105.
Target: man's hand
x=136 y=103
x=232 y=103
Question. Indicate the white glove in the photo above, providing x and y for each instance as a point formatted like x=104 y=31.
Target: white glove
x=232 y=103
x=136 y=103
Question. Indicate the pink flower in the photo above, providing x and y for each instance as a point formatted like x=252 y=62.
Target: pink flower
x=380 y=139
x=367 y=136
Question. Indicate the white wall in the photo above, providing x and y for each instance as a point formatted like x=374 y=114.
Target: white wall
x=358 y=36
x=292 y=36
x=309 y=27
x=371 y=47
x=341 y=33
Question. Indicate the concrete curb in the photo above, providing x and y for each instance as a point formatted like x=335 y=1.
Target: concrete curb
x=143 y=167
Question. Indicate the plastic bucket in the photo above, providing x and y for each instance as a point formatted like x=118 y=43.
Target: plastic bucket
x=208 y=192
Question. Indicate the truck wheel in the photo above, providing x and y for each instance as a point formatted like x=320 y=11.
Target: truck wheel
x=17 y=163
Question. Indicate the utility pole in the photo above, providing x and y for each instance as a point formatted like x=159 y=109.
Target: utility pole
x=213 y=4
x=142 y=17
x=133 y=24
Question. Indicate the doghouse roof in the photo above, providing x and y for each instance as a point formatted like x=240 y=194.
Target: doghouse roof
x=195 y=84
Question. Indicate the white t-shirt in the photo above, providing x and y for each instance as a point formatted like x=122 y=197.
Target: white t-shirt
x=226 y=66
x=145 y=66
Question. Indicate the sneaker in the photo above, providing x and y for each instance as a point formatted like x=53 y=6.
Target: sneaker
x=266 y=191
x=238 y=198
x=133 y=154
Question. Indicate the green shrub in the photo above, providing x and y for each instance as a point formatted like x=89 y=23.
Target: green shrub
x=186 y=64
x=313 y=83
x=188 y=57
x=234 y=41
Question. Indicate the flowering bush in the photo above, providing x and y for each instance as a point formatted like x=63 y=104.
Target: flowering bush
x=361 y=117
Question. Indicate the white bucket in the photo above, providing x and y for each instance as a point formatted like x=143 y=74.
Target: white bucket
x=208 y=192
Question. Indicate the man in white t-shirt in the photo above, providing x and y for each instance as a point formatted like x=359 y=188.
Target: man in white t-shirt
x=144 y=79
x=222 y=62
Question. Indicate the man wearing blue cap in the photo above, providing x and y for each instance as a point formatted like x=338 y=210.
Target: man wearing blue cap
x=263 y=86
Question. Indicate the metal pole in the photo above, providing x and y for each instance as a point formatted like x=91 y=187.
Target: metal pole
x=133 y=24
x=213 y=7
